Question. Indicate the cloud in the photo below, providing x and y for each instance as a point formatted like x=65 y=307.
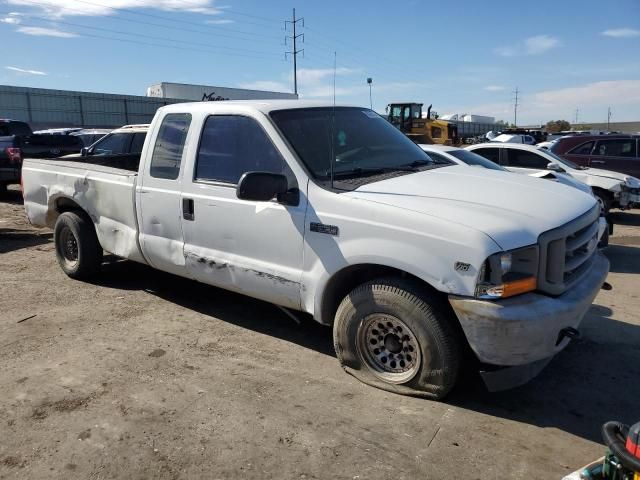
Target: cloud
x=494 y=88
x=13 y=18
x=62 y=8
x=221 y=21
x=530 y=46
x=25 y=71
x=623 y=96
x=621 y=33
x=45 y=32
x=540 y=44
x=313 y=75
x=266 y=85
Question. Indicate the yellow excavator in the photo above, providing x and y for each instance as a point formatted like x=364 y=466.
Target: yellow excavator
x=408 y=118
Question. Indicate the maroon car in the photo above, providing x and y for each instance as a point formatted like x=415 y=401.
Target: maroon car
x=618 y=153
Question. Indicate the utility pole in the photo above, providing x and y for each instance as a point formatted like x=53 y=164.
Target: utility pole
x=370 y=81
x=577 y=110
x=295 y=51
x=608 y=118
x=515 y=108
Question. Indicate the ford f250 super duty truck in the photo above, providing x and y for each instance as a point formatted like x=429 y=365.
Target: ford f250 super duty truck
x=332 y=211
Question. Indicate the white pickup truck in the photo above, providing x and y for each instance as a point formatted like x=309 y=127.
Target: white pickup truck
x=332 y=211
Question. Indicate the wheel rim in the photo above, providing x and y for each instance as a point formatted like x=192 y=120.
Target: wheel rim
x=389 y=348
x=68 y=247
x=601 y=203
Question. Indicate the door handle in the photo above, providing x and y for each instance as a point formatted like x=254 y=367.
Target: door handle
x=187 y=209
x=597 y=161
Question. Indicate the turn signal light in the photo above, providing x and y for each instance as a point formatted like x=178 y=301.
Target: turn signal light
x=516 y=287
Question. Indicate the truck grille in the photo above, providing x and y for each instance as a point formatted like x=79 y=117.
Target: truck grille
x=567 y=252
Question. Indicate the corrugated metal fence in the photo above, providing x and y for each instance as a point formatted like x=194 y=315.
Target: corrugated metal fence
x=46 y=108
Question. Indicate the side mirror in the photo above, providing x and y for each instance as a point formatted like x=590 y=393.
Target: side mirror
x=554 y=167
x=85 y=151
x=261 y=186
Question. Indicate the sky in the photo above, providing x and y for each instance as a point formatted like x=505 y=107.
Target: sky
x=566 y=58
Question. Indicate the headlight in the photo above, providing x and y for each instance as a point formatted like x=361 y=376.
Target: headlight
x=506 y=274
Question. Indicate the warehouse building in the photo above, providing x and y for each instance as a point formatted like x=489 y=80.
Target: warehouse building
x=44 y=108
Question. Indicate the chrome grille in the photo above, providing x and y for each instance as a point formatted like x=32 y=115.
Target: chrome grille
x=566 y=253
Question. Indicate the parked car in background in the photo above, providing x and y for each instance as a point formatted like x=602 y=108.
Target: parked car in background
x=409 y=261
x=17 y=141
x=619 y=153
x=614 y=190
x=445 y=155
x=459 y=156
x=119 y=148
x=510 y=138
x=90 y=135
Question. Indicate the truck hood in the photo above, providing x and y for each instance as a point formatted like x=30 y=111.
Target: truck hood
x=511 y=209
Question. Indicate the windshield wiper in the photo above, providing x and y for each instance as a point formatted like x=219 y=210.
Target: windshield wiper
x=374 y=170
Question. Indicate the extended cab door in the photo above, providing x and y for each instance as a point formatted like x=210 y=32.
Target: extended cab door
x=250 y=247
x=158 y=195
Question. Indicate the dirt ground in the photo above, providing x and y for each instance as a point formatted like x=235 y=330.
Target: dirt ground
x=146 y=375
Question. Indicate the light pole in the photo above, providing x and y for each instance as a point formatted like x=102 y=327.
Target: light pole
x=370 y=81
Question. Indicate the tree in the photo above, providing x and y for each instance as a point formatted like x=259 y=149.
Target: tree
x=555 y=126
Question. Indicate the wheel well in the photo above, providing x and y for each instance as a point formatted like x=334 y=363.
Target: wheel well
x=62 y=205
x=605 y=193
x=349 y=278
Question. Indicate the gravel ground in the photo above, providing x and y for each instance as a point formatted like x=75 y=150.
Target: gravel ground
x=145 y=375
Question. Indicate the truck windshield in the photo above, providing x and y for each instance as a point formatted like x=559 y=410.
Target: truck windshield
x=358 y=141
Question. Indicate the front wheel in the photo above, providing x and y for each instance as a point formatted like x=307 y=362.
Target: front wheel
x=77 y=247
x=395 y=335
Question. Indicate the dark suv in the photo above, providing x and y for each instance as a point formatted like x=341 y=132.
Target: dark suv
x=619 y=153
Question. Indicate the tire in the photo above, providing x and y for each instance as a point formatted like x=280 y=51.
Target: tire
x=428 y=362
x=77 y=248
x=3 y=189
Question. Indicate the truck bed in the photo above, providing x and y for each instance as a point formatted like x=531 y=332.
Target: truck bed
x=106 y=193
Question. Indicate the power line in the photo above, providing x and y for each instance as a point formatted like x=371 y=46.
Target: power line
x=206 y=31
x=152 y=37
x=176 y=47
x=295 y=51
x=515 y=107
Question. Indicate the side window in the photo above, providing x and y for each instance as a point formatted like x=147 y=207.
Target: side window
x=167 y=151
x=492 y=154
x=137 y=142
x=113 y=144
x=584 y=149
x=525 y=159
x=233 y=145
x=616 y=148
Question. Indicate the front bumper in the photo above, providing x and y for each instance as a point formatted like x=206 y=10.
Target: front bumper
x=525 y=329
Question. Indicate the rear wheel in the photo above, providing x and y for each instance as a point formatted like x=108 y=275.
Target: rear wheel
x=395 y=335
x=77 y=248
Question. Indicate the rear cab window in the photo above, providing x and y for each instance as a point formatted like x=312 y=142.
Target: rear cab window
x=169 y=146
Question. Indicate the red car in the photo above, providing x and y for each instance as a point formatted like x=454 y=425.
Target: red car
x=619 y=153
